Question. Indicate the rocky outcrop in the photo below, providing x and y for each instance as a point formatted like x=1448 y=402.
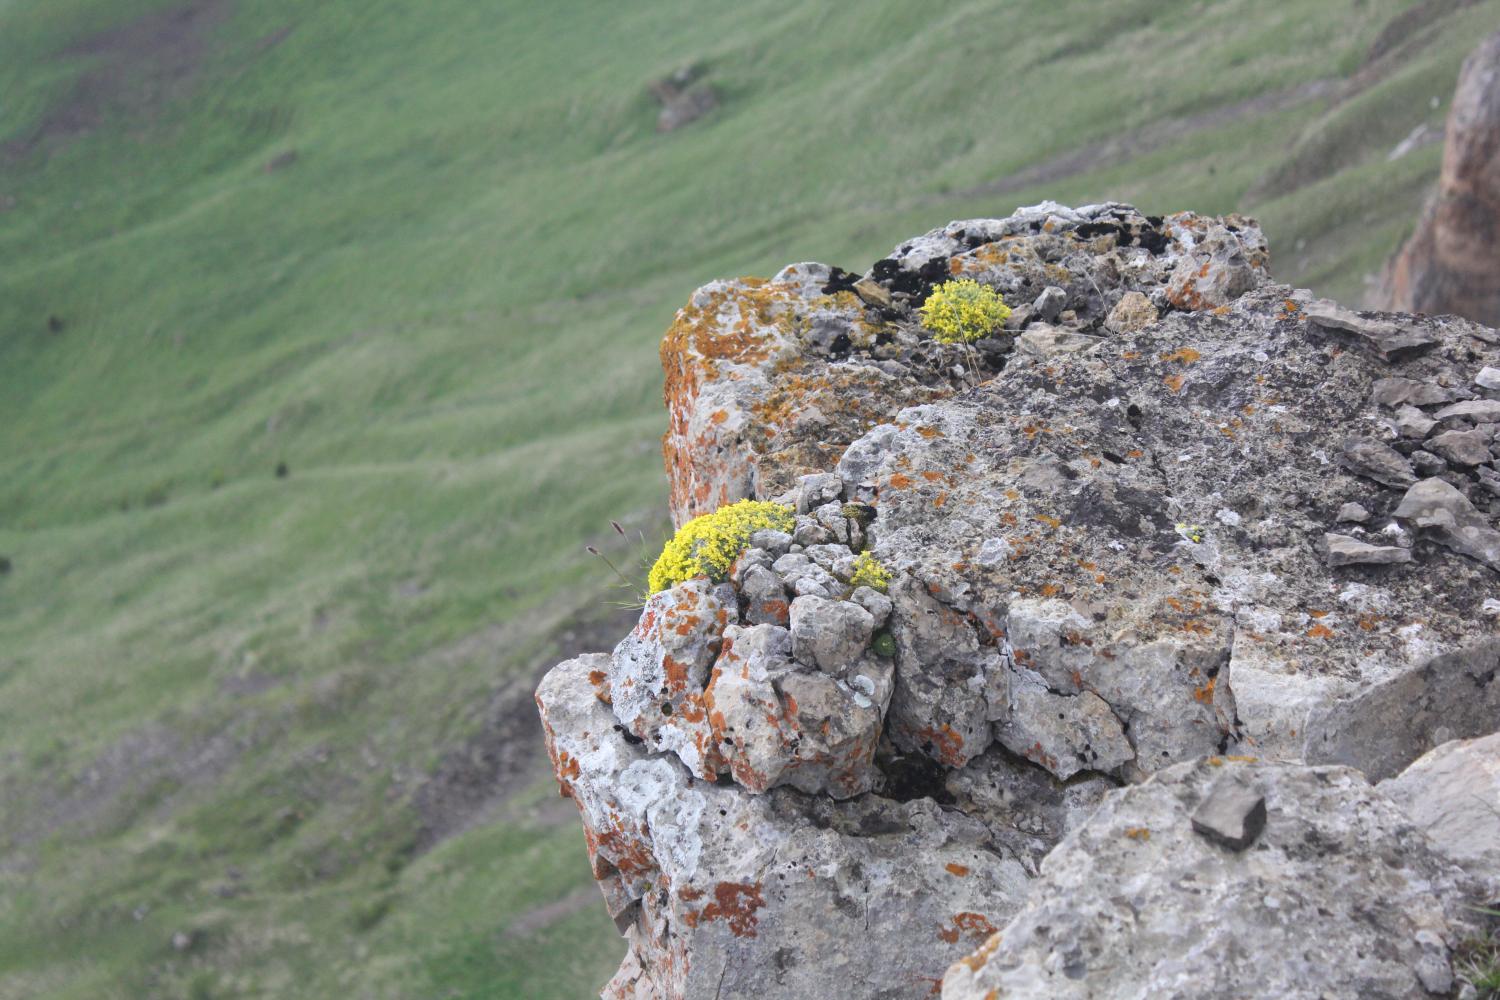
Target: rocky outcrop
x=1172 y=518
x=1451 y=263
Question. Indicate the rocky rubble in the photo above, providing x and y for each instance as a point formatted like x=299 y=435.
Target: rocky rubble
x=1172 y=518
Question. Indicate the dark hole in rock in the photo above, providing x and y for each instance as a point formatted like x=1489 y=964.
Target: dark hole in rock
x=914 y=776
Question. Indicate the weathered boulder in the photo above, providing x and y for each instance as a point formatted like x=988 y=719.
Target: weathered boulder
x=1329 y=891
x=1453 y=794
x=1451 y=264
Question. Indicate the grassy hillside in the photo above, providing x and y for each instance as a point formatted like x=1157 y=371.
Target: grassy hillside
x=327 y=340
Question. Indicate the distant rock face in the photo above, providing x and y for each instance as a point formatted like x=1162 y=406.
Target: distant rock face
x=1451 y=264
x=1173 y=513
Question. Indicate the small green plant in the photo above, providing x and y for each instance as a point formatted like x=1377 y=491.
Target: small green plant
x=643 y=559
x=884 y=644
x=1477 y=960
x=868 y=572
x=709 y=544
x=963 y=311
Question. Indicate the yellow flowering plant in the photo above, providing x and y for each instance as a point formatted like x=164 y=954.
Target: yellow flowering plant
x=963 y=311
x=709 y=544
x=869 y=572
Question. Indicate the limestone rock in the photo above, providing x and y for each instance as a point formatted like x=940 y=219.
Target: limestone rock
x=1386 y=726
x=1345 y=550
x=1452 y=793
x=1224 y=263
x=830 y=635
x=1385 y=339
x=781 y=894
x=658 y=672
x=1436 y=505
x=1106 y=920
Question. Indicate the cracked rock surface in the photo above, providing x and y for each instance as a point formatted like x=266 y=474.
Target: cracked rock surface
x=1172 y=513
x=1339 y=895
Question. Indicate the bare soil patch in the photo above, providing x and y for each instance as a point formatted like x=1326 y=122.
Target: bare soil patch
x=133 y=71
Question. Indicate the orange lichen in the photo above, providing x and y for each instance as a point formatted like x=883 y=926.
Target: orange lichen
x=947 y=742
x=1174 y=382
x=735 y=903
x=1320 y=631
x=1140 y=833
x=1185 y=355
x=957 y=869
x=975 y=925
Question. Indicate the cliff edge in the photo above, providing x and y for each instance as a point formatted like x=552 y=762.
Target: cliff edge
x=1169 y=571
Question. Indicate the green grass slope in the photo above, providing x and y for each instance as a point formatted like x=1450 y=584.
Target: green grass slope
x=419 y=256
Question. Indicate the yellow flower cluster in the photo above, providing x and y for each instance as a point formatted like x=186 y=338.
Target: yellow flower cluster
x=708 y=545
x=868 y=572
x=963 y=311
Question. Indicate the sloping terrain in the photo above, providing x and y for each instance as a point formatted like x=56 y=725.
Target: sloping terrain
x=327 y=341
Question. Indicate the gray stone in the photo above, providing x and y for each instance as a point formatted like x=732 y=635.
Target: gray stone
x=1346 y=550
x=772 y=722
x=1453 y=793
x=1354 y=513
x=1383 y=728
x=1232 y=815
x=1488 y=378
x=1394 y=391
x=1050 y=303
x=764 y=597
x=1063 y=733
x=1217 y=270
x=1463 y=448
x=1041 y=341
x=873 y=601
x=1380 y=462
x=775 y=542
x=829 y=635
x=1413 y=423
x=1134 y=903
x=657 y=673
x=1476 y=410
x=1386 y=340
x=816 y=490
x=1129 y=537
x=1426 y=464
x=1435 y=505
